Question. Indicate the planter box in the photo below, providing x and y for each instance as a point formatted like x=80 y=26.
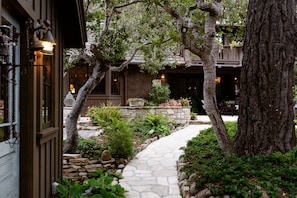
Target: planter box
x=181 y=115
x=136 y=103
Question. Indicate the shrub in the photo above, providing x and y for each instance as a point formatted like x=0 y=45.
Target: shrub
x=100 y=185
x=184 y=101
x=102 y=116
x=90 y=148
x=239 y=176
x=153 y=125
x=119 y=136
x=159 y=94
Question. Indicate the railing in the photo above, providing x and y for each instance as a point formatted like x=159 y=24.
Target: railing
x=227 y=56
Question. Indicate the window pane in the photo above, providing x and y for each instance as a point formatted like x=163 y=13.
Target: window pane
x=100 y=88
x=47 y=92
x=115 y=83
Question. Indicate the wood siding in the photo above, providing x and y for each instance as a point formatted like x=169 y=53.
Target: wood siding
x=41 y=148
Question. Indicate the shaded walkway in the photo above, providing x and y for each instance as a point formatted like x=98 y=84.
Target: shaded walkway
x=152 y=173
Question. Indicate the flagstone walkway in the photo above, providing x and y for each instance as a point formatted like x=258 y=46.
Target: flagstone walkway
x=152 y=173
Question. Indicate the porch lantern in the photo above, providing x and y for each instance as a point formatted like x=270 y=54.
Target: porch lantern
x=48 y=43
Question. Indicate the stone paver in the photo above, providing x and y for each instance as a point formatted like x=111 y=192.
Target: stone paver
x=152 y=173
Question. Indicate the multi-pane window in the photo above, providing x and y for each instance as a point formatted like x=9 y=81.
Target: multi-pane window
x=79 y=75
x=47 y=92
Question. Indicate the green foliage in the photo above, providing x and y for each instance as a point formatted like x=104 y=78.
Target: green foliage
x=119 y=136
x=69 y=188
x=159 y=94
x=100 y=185
x=103 y=116
x=194 y=116
x=118 y=132
x=90 y=148
x=153 y=125
x=239 y=176
x=113 y=46
x=184 y=101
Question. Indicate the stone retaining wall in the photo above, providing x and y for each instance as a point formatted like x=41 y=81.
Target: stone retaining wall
x=181 y=115
x=77 y=168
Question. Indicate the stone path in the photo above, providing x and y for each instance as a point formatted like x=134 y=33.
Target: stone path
x=152 y=173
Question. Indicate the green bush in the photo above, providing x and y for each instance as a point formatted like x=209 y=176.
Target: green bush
x=159 y=94
x=90 y=148
x=119 y=136
x=153 y=125
x=100 y=185
x=239 y=176
x=103 y=116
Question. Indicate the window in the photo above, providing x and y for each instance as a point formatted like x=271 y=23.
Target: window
x=47 y=92
x=115 y=83
x=79 y=75
x=100 y=88
x=9 y=87
x=7 y=103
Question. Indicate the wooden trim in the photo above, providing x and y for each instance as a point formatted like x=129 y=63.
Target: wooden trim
x=46 y=135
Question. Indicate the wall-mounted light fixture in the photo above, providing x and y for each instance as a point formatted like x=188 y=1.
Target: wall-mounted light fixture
x=218 y=80
x=46 y=38
x=39 y=38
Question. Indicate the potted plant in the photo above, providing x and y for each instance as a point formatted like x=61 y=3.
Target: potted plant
x=136 y=102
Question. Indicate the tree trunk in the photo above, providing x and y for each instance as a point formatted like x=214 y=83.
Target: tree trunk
x=266 y=99
x=209 y=87
x=71 y=143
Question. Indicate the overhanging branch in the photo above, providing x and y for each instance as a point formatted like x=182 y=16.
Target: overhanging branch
x=126 y=63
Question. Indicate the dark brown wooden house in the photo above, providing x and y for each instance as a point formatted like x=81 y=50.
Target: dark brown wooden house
x=31 y=92
x=184 y=81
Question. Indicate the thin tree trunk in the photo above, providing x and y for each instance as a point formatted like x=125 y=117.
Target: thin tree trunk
x=209 y=87
x=266 y=98
x=71 y=143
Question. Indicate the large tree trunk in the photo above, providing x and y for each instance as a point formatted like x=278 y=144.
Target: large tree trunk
x=266 y=100
x=71 y=143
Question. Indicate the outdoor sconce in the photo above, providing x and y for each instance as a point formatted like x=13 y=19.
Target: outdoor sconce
x=43 y=39
x=47 y=40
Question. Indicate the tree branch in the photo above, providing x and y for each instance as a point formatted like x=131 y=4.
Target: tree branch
x=191 y=8
x=125 y=64
x=128 y=4
x=214 y=9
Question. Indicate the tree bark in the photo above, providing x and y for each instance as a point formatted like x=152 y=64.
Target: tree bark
x=266 y=99
x=209 y=86
x=71 y=143
x=207 y=52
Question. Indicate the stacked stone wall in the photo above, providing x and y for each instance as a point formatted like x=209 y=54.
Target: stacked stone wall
x=181 y=115
x=79 y=169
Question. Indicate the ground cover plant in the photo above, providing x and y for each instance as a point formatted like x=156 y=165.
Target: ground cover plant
x=245 y=176
x=100 y=185
x=152 y=125
x=91 y=148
